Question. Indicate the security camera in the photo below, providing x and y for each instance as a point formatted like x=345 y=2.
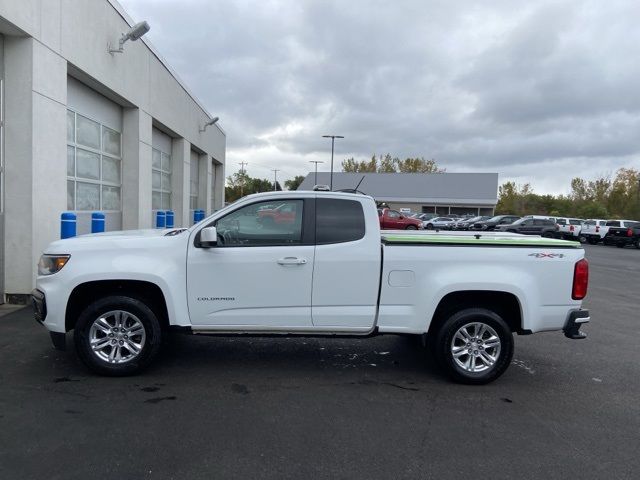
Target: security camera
x=137 y=31
x=210 y=122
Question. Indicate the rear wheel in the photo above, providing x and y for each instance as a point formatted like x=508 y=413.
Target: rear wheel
x=429 y=226
x=474 y=346
x=117 y=336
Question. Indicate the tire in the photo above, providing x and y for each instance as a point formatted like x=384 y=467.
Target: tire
x=447 y=339
x=582 y=239
x=429 y=226
x=620 y=245
x=638 y=244
x=411 y=227
x=136 y=319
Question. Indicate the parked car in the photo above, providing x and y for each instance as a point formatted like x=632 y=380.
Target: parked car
x=282 y=214
x=569 y=228
x=335 y=273
x=467 y=223
x=594 y=230
x=530 y=226
x=441 y=223
x=493 y=222
x=621 y=233
x=426 y=216
x=394 y=220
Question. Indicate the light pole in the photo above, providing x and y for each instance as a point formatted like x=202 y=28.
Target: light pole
x=275 y=178
x=242 y=164
x=315 y=178
x=333 y=139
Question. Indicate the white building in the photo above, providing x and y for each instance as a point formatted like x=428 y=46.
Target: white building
x=86 y=130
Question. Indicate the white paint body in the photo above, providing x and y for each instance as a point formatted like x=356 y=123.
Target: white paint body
x=350 y=287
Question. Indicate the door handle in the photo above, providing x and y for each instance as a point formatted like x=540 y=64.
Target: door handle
x=292 y=261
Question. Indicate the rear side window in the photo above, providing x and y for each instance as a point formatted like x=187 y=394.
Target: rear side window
x=590 y=222
x=613 y=224
x=561 y=221
x=631 y=224
x=338 y=221
x=575 y=222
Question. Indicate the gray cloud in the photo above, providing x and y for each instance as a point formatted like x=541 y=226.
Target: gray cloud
x=537 y=91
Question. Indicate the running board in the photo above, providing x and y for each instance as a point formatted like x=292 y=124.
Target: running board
x=227 y=330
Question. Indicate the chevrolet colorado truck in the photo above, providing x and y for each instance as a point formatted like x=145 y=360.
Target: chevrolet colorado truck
x=329 y=271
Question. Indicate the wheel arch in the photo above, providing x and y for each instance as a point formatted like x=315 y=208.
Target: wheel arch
x=506 y=304
x=85 y=293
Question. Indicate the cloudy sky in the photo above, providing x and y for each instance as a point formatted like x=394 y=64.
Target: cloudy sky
x=536 y=91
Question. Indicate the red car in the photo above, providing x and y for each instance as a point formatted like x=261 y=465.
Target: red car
x=282 y=214
x=394 y=220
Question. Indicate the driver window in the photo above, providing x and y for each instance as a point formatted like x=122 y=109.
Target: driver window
x=269 y=223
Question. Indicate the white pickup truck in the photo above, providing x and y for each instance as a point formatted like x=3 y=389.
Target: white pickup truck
x=321 y=266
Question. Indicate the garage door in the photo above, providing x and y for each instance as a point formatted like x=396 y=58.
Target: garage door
x=94 y=156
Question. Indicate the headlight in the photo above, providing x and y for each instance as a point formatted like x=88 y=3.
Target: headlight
x=50 y=264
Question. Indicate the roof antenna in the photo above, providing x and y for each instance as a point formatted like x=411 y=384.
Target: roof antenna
x=353 y=190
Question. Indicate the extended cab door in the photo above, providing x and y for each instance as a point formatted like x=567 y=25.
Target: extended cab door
x=347 y=268
x=260 y=272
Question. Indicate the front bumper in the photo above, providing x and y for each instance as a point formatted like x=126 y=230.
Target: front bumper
x=39 y=302
x=576 y=319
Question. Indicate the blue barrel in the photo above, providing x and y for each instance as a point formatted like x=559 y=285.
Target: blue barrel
x=97 y=222
x=198 y=215
x=68 y=222
x=160 y=219
x=169 y=218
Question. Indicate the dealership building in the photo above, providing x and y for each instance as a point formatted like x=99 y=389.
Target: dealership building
x=93 y=124
x=440 y=193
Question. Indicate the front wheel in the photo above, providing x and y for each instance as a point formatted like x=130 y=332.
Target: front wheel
x=474 y=346
x=411 y=227
x=117 y=335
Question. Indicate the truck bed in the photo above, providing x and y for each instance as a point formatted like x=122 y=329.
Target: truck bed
x=401 y=237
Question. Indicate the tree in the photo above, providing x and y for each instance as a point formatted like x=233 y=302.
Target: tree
x=240 y=184
x=294 y=183
x=597 y=198
x=389 y=164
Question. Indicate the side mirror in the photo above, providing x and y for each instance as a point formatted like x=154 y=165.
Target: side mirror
x=401 y=217
x=208 y=237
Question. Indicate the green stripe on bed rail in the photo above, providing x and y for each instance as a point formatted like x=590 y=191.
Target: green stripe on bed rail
x=483 y=240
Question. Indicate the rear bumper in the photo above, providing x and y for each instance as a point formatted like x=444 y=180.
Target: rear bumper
x=621 y=240
x=575 y=320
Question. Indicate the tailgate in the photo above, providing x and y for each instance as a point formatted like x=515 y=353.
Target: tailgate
x=617 y=232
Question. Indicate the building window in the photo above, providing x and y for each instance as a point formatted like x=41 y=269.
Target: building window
x=194 y=180
x=160 y=180
x=94 y=165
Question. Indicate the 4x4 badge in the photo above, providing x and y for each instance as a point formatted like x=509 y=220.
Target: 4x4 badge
x=547 y=255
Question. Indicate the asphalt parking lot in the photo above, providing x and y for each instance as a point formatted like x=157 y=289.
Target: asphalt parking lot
x=322 y=408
